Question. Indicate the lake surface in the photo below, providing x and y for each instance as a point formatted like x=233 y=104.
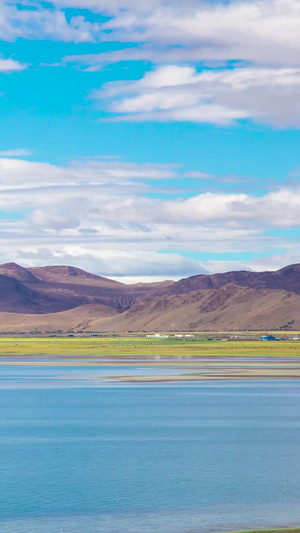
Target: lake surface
x=79 y=455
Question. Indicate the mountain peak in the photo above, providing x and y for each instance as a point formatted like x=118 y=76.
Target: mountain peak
x=65 y=273
x=230 y=300
x=287 y=270
x=18 y=272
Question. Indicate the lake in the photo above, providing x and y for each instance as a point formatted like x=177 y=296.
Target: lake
x=79 y=454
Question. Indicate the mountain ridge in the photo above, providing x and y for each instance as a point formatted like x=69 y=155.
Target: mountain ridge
x=41 y=298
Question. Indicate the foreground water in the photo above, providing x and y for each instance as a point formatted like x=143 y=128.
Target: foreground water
x=80 y=455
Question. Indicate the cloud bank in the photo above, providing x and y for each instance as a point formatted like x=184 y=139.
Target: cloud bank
x=80 y=214
x=217 y=63
x=180 y=93
x=211 y=62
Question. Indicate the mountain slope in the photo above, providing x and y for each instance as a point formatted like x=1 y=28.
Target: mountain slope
x=228 y=308
x=70 y=275
x=76 y=319
x=54 y=289
x=67 y=298
x=18 y=272
x=287 y=279
x=17 y=297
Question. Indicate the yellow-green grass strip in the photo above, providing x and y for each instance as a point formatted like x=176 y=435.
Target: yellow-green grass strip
x=142 y=347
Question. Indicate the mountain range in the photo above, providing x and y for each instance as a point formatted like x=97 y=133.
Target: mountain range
x=68 y=299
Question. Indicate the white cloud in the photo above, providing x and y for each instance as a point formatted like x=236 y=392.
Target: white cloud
x=14 y=172
x=16 y=152
x=267 y=262
x=34 y=21
x=137 y=265
x=216 y=96
x=199 y=175
x=112 y=194
x=95 y=214
x=53 y=219
x=262 y=36
x=8 y=66
x=264 y=32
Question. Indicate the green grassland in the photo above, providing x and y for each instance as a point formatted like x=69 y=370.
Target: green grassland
x=142 y=346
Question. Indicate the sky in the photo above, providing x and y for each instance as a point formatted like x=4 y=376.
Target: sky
x=149 y=140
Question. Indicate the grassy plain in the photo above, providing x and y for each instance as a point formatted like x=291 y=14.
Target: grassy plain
x=143 y=347
x=219 y=360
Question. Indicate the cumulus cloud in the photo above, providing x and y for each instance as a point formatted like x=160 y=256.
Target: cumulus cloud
x=91 y=183
x=14 y=172
x=137 y=265
x=116 y=7
x=113 y=192
x=98 y=215
x=34 y=21
x=53 y=219
x=8 y=66
x=216 y=96
x=260 y=36
x=263 y=32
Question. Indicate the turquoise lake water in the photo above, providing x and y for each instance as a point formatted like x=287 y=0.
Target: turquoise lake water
x=78 y=455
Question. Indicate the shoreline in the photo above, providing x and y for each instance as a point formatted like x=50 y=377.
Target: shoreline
x=226 y=373
x=181 y=378
x=166 y=371
x=282 y=530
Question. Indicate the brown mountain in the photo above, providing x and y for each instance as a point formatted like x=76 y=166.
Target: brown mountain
x=68 y=274
x=66 y=298
x=229 y=308
x=287 y=279
x=53 y=289
x=16 y=271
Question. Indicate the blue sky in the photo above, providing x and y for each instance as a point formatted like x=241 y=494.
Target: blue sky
x=150 y=140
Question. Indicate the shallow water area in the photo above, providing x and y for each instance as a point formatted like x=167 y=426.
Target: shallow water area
x=81 y=454
x=97 y=359
x=72 y=376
